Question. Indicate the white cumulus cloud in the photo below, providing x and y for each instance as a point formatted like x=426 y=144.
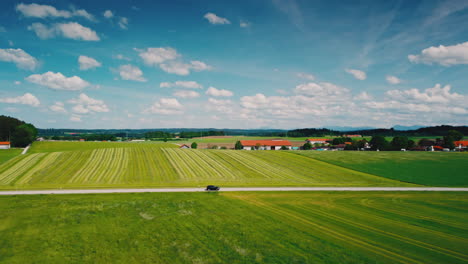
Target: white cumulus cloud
x=71 y=30
x=169 y=61
x=58 y=81
x=244 y=24
x=183 y=84
x=26 y=99
x=212 y=91
x=75 y=118
x=216 y=20
x=165 y=106
x=130 y=72
x=58 y=107
x=320 y=89
x=186 y=94
x=87 y=63
x=45 y=11
x=19 y=57
x=123 y=23
x=393 y=79
x=87 y=105
x=443 y=55
x=108 y=14
x=360 y=75
x=305 y=76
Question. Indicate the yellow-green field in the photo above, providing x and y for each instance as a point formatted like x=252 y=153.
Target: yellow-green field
x=110 y=165
x=276 y=227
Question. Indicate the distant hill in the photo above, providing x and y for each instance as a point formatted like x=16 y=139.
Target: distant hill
x=406 y=128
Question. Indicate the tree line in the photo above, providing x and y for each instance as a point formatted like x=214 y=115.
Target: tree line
x=18 y=132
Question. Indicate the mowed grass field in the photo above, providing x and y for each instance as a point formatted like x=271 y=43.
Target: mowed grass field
x=118 y=165
x=273 y=227
x=426 y=168
x=7 y=154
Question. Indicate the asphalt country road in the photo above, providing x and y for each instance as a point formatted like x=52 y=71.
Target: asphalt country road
x=242 y=189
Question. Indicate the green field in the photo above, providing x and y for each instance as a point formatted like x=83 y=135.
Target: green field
x=111 y=165
x=7 y=154
x=276 y=227
x=426 y=168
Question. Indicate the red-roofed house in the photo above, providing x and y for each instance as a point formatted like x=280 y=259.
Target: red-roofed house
x=318 y=140
x=270 y=144
x=184 y=146
x=461 y=144
x=5 y=145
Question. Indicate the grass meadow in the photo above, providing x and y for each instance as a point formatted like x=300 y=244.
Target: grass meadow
x=426 y=168
x=7 y=154
x=271 y=227
x=120 y=165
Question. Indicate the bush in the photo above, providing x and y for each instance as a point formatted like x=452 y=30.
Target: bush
x=194 y=145
x=307 y=146
x=238 y=145
x=284 y=148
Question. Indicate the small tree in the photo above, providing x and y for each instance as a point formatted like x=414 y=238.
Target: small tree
x=284 y=148
x=194 y=145
x=223 y=147
x=307 y=146
x=238 y=145
x=399 y=143
x=456 y=135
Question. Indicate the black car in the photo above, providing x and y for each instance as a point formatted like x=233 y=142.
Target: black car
x=212 y=188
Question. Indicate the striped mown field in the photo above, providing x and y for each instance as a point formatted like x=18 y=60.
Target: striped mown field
x=274 y=227
x=158 y=165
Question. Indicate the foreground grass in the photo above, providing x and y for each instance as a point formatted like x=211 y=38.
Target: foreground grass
x=153 y=165
x=277 y=227
x=426 y=168
x=7 y=154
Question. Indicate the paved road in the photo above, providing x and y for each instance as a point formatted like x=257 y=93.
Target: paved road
x=242 y=189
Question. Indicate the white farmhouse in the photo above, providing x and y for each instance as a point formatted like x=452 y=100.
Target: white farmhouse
x=5 y=145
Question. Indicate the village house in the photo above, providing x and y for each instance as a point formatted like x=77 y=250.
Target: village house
x=5 y=145
x=318 y=140
x=463 y=144
x=184 y=146
x=271 y=144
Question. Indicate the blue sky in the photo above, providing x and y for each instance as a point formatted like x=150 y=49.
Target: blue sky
x=234 y=64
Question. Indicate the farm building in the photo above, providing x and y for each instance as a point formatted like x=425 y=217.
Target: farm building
x=318 y=140
x=184 y=146
x=271 y=144
x=5 y=145
x=463 y=144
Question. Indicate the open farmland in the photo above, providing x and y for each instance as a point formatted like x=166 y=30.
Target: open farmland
x=295 y=227
x=7 y=154
x=158 y=165
x=426 y=168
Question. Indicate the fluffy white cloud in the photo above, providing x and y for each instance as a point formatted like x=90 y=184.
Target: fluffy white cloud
x=169 y=61
x=87 y=105
x=165 y=106
x=221 y=106
x=108 y=14
x=26 y=99
x=183 y=84
x=71 y=30
x=58 y=107
x=156 y=56
x=87 y=63
x=443 y=55
x=436 y=100
x=58 y=81
x=363 y=96
x=320 y=89
x=130 y=72
x=216 y=20
x=306 y=76
x=244 y=24
x=360 y=75
x=45 y=11
x=75 y=118
x=123 y=23
x=393 y=79
x=186 y=94
x=19 y=57
x=218 y=92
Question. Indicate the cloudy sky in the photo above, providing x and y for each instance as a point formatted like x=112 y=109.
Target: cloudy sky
x=234 y=64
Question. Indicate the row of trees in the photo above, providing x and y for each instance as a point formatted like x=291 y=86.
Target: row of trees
x=18 y=132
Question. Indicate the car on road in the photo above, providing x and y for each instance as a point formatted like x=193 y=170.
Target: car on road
x=212 y=188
